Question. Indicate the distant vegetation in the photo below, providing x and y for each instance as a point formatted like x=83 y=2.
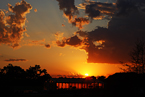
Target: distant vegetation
x=15 y=79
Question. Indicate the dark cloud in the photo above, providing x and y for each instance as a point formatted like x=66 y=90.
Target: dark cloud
x=82 y=33
x=98 y=10
x=70 y=12
x=95 y=10
x=15 y=60
x=15 y=46
x=92 y=12
x=13 y=26
x=61 y=43
x=113 y=44
x=47 y=45
x=119 y=37
x=68 y=7
x=106 y=45
x=125 y=7
x=72 y=41
x=121 y=7
x=79 y=22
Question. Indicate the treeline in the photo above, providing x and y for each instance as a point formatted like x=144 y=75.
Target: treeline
x=15 y=79
x=128 y=84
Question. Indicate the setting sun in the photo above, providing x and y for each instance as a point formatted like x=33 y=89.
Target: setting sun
x=86 y=74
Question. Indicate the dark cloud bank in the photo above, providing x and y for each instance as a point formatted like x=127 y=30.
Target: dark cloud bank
x=112 y=44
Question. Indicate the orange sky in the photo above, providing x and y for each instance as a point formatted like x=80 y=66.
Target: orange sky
x=69 y=37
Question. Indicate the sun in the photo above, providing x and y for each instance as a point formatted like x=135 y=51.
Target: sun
x=86 y=74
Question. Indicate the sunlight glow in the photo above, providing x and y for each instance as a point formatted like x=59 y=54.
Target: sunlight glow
x=86 y=74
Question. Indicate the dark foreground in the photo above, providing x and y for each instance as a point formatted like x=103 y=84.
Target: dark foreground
x=61 y=93
x=17 y=82
x=80 y=93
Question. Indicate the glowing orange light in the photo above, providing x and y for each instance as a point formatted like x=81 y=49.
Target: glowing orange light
x=86 y=74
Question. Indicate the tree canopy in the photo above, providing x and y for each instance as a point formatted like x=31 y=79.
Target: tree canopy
x=137 y=62
x=15 y=78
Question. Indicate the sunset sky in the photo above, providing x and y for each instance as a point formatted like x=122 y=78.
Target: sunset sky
x=70 y=37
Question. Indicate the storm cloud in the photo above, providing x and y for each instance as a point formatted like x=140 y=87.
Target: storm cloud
x=113 y=44
x=99 y=10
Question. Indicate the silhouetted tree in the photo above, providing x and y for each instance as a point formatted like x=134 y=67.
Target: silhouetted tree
x=101 y=78
x=15 y=78
x=33 y=72
x=13 y=72
x=36 y=77
x=137 y=55
x=93 y=77
x=11 y=78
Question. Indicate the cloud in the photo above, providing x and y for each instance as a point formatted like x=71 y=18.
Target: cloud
x=15 y=46
x=82 y=33
x=121 y=34
x=98 y=10
x=15 y=60
x=26 y=34
x=79 y=22
x=68 y=7
x=113 y=44
x=13 y=26
x=63 y=25
x=35 y=10
x=94 y=10
x=128 y=6
x=71 y=75
x=30 y=42
x=81 y=6
x=47 y=45
x=72 y=41
x=59 y=35
x=70 y=11
x=61 y=43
